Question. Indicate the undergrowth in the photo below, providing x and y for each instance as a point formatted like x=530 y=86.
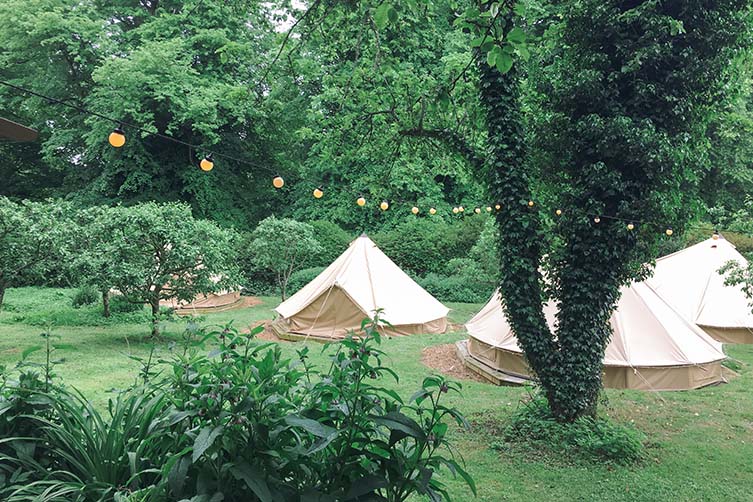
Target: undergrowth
x=532 y=427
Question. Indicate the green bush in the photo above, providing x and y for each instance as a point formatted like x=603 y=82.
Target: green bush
x=592 y=439
x=119 y=305
x=300 y=278
x=421 y=245
x=239 y=422
x=462 y=280
x=333 y=239
x=85 y=295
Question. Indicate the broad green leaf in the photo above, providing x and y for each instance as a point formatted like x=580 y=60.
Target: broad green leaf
x=312 y=426
x=504 y=62
x=204 y=440
x=381 y=15
x=254 y=479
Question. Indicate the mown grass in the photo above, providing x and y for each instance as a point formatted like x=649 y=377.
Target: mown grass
x=699 y=446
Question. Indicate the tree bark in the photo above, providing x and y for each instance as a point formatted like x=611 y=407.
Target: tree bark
x=154 y=303
x=2 y=295
x=106 y=303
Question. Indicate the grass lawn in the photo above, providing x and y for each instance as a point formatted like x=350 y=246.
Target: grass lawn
x=700 y=443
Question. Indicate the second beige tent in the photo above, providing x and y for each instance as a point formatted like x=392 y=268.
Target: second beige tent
x=652 y=347
x=358 y=282
x=690 y=281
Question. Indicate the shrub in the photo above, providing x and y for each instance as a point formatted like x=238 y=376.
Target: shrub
x=240 y=422
x=333 y=240
x=85 y=295
x=302 y=277
x=592 y=439
x=463 y=280
x=119 y=305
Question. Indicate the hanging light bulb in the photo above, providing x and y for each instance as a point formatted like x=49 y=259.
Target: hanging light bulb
x=715 y=235
x=455 y=210
x=318 y=193
x=461 y=209
x=384 y=206
x=558 y=212
x=361 y=201
x=630 y=226
x=414 y=210
x=207 y=163
x=117 y=137
x=488 y=209
x=669 y=231
x=432 y=211
x=477 y=210
x=497 y=207
x=531 y=203
x=278 y=182
x=597 y=219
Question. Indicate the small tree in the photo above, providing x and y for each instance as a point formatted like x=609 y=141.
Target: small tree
x=91 y=257
x=160 y=252
x=33 y=236
x=282 y=246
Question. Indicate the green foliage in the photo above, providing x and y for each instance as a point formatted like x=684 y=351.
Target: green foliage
x=465 y=281
x=300 y=278
x=420 y=246
x=282 y=246
x=160 y=252
x=240 y=422
x=333 y=240
x=587 y=438
x=85 y=295
x=620 y=116
x=33 y=238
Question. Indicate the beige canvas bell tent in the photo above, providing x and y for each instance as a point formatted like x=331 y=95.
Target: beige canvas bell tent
x=358 y=282
x=652 y=347
x=689 y=281
x=213 y=302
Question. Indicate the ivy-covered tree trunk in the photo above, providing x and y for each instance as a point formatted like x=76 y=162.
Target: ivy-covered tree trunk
x=520 y=250
x=627 y=92
x=106 y=303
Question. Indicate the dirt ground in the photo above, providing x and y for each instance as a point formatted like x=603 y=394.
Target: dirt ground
x=444 y=359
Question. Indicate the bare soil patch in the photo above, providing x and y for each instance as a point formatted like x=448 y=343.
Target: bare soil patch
x=444 y=359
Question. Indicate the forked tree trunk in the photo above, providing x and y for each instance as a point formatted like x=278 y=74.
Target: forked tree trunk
x=106 y=303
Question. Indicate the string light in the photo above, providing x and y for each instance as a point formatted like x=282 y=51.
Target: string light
x=488 y=209
x=318 y=193
x=278 y=182
x=414 y=210
x=455 y=210
x=361 y=201
x=531 y=203
x=597 y=219
x=384 y=206
x=117 y=137
x=432 y=211
x=630 y=226
x=477 y=210
x=497 y=207
x=669 y=231
x=461 y=209
x=207 y=163
x=558 y=212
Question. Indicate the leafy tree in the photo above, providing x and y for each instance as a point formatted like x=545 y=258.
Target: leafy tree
x=282 y=246
x=91 y=260
x=625 y=107
x=161 y=252
x=33 y=240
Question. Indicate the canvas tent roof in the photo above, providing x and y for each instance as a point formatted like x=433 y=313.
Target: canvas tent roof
x=690 y=282
x=358 y=282
x=652 y=346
